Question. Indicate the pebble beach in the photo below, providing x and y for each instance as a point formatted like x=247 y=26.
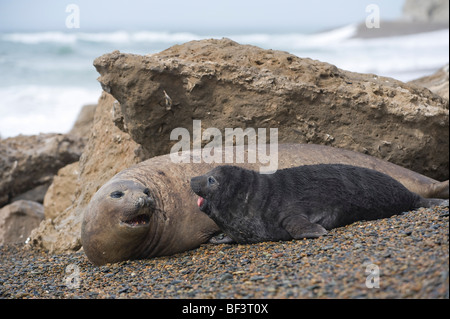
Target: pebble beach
x=405 y=256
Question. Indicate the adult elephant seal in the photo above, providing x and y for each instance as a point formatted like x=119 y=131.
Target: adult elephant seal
x=299 y=202
x=150 y=210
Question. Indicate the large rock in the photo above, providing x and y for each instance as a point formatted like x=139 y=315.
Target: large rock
x=61 y=193
x=83 y=124
x=28 y=163
x=18 y=219
x=108 y=151
x=225 y=84
x=430 y=11
x=437 y=82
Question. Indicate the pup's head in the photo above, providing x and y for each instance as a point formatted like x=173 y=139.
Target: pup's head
x=217 y=187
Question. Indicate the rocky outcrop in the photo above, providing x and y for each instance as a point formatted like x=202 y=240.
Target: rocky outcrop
x=431 y=11
x=83 y=124
x=437 y=83
x=225 y=84
x=28 y=163
x=61 y=193
x=18 y=219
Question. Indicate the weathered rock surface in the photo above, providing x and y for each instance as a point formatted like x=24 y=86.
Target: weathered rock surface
x=437 y=82
x=18 y=219
x=426 y=10
x=30 y=162
x=109 y=151
x=83 y=124
x=61 y=193
x=225 y=84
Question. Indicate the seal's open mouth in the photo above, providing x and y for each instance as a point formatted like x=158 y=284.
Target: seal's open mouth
x=139 y=220
x=201 y=203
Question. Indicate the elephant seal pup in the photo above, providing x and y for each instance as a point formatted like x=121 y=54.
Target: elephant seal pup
x=150 y=210
x=299 y=202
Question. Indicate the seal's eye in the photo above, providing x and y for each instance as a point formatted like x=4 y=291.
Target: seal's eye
x=147 y=192
x=117 y=194
x=211 y=180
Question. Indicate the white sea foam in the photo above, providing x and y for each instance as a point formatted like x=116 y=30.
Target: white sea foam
x=33 y=109
x=121 y=37
x=40 y=37
x=118 y=37
x=323 y=38
x=402 y=57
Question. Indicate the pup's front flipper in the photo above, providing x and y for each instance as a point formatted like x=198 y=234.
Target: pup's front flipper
x=221 y=238
x=298 y=226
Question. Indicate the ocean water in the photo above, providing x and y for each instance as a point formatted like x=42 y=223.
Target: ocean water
x=46 y=77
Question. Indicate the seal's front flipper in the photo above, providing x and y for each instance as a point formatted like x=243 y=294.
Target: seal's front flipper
x=439 y=190
x=299 y=227
x=221 y=238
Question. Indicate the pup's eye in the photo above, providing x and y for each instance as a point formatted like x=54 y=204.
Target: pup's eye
x=211 y=180
x=117 y=194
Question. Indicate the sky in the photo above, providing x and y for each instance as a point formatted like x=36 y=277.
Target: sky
x=201 y=16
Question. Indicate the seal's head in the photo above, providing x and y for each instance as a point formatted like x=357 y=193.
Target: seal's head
x=228 y=195
x=117 y=221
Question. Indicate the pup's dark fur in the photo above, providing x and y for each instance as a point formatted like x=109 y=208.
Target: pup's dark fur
x=299 y=202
